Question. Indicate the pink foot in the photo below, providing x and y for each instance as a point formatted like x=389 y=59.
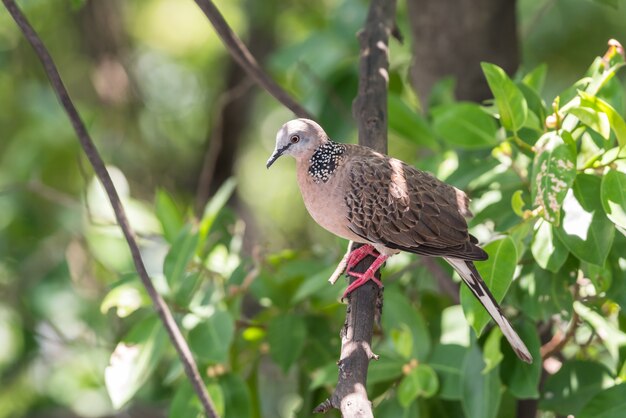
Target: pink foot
x=355 y=257
x=359 y=254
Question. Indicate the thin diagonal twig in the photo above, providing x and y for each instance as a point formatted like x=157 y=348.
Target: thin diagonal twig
x=242 y=55
x=101 y=172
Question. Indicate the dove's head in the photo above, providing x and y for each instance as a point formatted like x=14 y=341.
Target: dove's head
x=298 y=138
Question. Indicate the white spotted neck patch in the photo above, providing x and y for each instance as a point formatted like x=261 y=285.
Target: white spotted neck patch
x=325 y=160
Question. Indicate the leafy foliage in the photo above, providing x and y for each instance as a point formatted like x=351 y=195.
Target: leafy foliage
x=547 y=178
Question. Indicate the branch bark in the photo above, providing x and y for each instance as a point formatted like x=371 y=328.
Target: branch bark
x=242 y=55
x=96 y=161
x=365 y=304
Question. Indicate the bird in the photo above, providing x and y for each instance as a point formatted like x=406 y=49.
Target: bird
x=388 y=206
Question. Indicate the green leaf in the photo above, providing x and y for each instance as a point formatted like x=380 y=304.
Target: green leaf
x=598 y=121
x=179 y=256
x=554 y=171
x=215 y=205
x=465 y=125
x=492 y=354
x=168 y=215
x=536 y=108
x=211 y=338
x=134 y=360
x=612 y=337
x=327 y=375
x=610 y=403
x=613 y=195
x=391 y=408
x=237 y=399
x=384 y=369
x=577 y=382
x=399 y=313
x=522 y=379
x=447 y=361
x=549 y=252
x=510 y=101
x=421 y=381
x=615 y=119
x=402 y=338
x=497 y=272
x=481 y=392
x=585 y=229
x=126 y=297
x=286 y=335
x=517 y=203
x=536 y=77
x=185 y=402
x=409 y=124
x=545 y=294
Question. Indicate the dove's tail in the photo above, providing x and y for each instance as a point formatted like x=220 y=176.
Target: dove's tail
x=472 y=279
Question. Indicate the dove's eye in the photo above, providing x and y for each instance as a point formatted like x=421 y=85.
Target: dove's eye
x=295 y=139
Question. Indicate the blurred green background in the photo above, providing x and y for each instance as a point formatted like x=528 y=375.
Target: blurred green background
x=181 y=125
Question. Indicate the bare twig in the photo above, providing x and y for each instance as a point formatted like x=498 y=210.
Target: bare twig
x=99 y=168
x=365 y=303
x=341 y=267
x=559 y=340
x=216 y=139
x=242 y=55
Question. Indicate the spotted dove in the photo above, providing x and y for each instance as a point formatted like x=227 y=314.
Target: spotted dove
x=370 y=198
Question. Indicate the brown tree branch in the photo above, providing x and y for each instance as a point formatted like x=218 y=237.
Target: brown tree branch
x=242 y=55
x=99 y=168
x=365 y=303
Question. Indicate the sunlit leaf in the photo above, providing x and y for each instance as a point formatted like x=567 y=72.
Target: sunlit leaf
x=585 y=230
x=134 y=360
x=554 y=171
x=492 y=354
x=510 y=101
x=465 y=125
x=549 y=252
x=126 y=297
x=613 y=195
x=618 y=125
x=612 y=337
x=497 y=272
x=598 y=121
x=517 y=203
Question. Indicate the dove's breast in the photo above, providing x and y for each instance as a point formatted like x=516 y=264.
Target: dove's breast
x=322 y=187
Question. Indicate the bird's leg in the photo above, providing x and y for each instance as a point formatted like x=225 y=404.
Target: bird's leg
x=359 y=254
x=369 y=274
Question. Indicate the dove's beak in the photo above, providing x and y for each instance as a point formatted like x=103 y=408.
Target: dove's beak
x=275 y=155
